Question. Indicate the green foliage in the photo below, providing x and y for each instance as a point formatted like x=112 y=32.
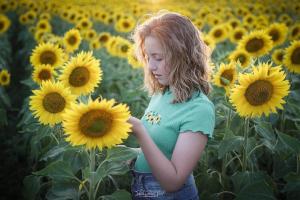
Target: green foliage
x=258 y=159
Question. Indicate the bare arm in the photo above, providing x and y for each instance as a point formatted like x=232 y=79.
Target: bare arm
x=170 y=174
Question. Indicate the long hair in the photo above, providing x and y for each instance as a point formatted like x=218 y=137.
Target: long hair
x=186 y=54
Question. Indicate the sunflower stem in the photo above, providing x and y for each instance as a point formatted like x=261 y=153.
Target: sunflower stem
x=298 y=163
x=282 y=121
x=92 y=194
x=54 y=133
x=246 y=133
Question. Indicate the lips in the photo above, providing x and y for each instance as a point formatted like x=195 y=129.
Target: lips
x=157 y=75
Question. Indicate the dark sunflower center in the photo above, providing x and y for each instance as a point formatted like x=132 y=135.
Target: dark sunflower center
x=95 y=123
x=241 y=58
x=234 y=24
x=295 y=31
x=125 y=24
x=3 y=7
x=280 y=56
x=103 y=38
x=296 y=56
x=103 y=16
x=228 y=75
x=91 y=35
x=1 y=25
x=79 y=76
x=72 y=40
x=30 y=16
x=4 y=78
x=72 y=17
x=274 y=34
x=259 y=92
x=48 y=57
x=44 y=75
x=84 y=24
x=43 y=26
x=124 y=48
x=110 y=20
x=249 y=20
x=254 y=45
x=53 y=102
x=218 y=33
x=238 y=35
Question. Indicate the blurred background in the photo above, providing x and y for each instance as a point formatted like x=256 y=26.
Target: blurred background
x=255 y=66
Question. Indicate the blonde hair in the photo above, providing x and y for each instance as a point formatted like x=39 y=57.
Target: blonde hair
x=186 y=54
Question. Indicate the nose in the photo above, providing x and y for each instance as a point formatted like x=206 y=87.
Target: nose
x=152 y=65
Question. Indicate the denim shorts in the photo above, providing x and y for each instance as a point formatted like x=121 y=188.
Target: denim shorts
x=145 y=186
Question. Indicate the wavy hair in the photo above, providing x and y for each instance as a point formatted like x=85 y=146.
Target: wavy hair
x=186 y=54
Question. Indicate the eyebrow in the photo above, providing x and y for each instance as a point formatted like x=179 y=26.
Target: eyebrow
x=154 y=54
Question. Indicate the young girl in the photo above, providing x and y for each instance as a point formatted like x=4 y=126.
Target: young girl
x=179 y=119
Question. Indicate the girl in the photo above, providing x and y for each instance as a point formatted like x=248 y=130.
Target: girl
x=179 y=119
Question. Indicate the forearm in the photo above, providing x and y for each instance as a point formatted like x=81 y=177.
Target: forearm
x=162 y=168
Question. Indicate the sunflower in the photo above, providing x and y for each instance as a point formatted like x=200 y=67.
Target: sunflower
x=47 y=53
x=23 y=19
x=82 y=73
x=13 y=5
x=225 y=76
x=4 y=77
x=43 y=73
x=294 y=33
x=122 y=47
x=45 y=16
x=260 y=92
x=38 y=35
x=285 y=18
x=278 y=56
x=94 y=44
x=199 y=23
x=132 y=59
x=249 y=20
x=241 y=56
x=104 y=37
x=237 y=34
x=278 y=33
x=89 y=34
x=209 y=41
x=44 y=24
x=84 y=24
x=50 y=101
x=111 y=45
x=4 y=23
x=257 y=43
x=97 y=124
x=4 y=7
x=234 y=23
x=219 y=33
x=30 y=16
x=292 y=57
x=73 y=16
x=72 y=40
x=125 y=25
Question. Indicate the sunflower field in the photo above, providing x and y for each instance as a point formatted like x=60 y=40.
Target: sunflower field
x=69 y=81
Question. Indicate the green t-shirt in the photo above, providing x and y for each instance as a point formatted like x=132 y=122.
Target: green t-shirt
x=164 y=121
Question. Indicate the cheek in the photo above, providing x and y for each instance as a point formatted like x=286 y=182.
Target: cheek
x=165 y=68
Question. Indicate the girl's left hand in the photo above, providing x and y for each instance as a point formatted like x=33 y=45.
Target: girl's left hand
x=136 y=124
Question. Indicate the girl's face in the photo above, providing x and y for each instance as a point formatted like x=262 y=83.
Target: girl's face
x=156 y=61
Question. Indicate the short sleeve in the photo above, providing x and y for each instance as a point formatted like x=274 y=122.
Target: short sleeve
x=199 y=118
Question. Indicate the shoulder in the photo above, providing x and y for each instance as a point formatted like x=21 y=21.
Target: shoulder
x=200 y=101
